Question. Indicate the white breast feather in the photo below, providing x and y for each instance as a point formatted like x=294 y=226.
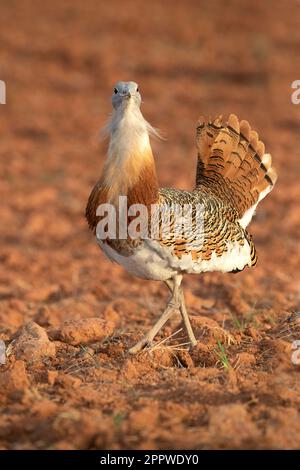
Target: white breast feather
x=155 y=261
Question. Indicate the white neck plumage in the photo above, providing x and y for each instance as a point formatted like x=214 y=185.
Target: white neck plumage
x=129 y=150
x=128 y=134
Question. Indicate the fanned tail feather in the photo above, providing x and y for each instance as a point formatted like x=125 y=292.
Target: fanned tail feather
x=232 y=162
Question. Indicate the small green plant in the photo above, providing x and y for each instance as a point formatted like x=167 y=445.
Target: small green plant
x=118 y=419
x=245 y=321
x=239 y=324
x=221 y=353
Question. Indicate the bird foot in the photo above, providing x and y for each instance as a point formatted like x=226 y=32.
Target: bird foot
x=140 y=345
x=194 y=343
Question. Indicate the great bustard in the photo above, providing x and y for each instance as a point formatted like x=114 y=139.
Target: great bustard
x=233 y=175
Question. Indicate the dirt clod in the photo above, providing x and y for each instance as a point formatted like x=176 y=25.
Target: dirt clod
x=14 y=379
x=84 y=331
x=32 y=343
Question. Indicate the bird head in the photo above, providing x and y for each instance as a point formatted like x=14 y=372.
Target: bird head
x=125 y=94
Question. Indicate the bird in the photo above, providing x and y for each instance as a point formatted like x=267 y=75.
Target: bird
x=233 y=174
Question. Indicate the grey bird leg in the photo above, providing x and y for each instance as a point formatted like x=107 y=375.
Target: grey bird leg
x=186 y=320
x=173 y=306
x=184 y=314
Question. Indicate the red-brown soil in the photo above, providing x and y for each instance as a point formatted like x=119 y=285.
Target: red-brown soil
x=67 y=315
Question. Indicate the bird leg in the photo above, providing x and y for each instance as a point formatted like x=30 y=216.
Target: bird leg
x=173 y=306
x=186 y=320
x=183 y=311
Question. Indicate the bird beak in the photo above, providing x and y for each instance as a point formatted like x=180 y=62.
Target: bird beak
x=127 y=95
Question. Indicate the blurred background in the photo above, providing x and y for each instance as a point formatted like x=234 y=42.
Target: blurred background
x=60 y=60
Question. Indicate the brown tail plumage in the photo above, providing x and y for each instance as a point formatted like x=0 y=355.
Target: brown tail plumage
x=233 y=163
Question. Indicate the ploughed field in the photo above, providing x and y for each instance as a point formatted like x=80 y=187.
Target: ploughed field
x=68 y=315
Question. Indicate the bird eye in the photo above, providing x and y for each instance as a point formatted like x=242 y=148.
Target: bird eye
x=115 y=91
x=137 y=89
